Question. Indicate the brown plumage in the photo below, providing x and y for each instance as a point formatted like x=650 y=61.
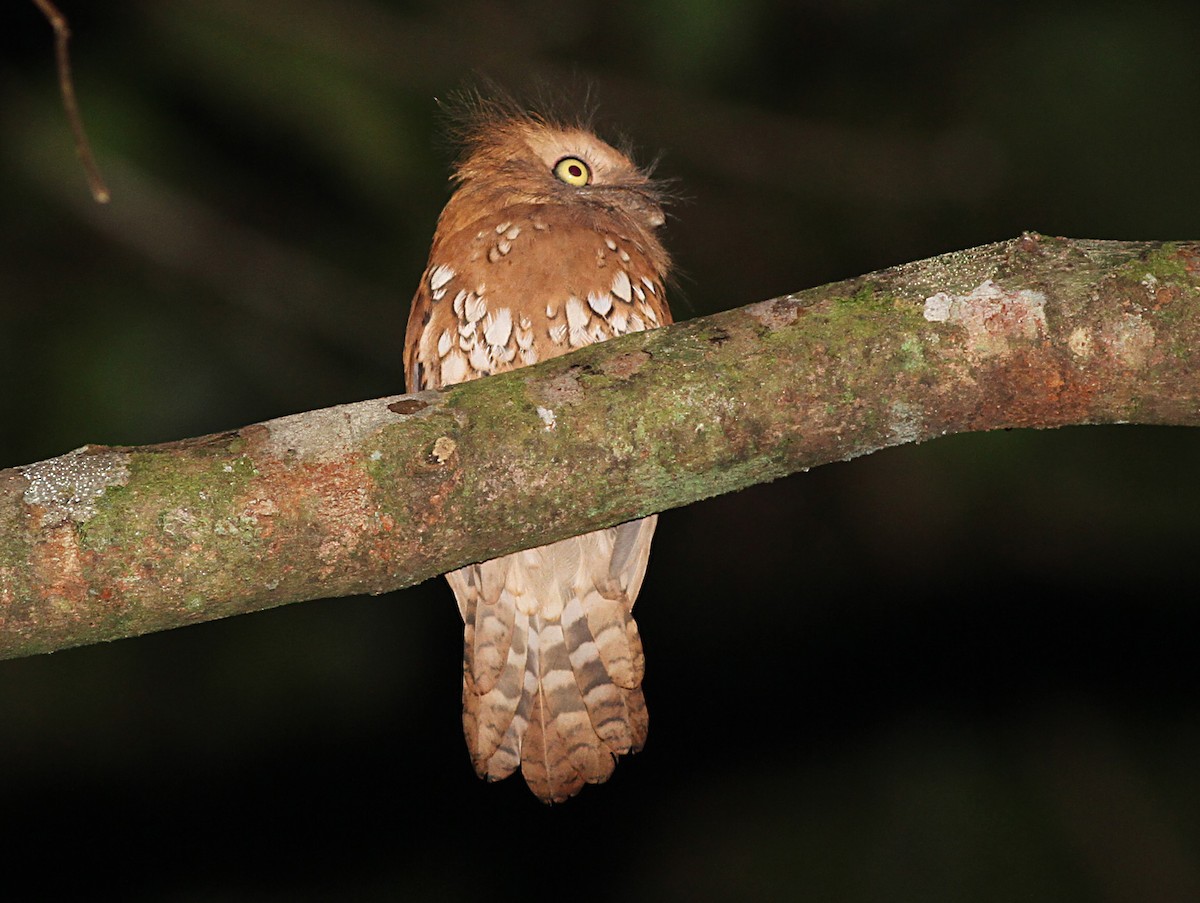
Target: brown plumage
x=548 y=243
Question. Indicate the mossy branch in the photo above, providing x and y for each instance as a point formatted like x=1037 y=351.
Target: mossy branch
x=106 y=542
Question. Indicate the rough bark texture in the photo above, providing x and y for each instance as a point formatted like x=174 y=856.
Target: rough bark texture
x=104 y=542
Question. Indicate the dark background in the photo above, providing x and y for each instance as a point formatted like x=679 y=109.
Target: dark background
x=959 y=671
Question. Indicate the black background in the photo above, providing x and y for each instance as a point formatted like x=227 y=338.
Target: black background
x=959 y=671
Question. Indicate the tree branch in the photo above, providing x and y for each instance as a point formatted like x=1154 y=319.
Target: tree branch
x=104 y=542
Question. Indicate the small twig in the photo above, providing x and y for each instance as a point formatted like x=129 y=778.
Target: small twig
x=62 y=34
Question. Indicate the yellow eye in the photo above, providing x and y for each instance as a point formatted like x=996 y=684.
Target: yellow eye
x=573 y=171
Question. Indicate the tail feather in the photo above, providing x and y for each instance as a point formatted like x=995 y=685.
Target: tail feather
x=563 y=705
x=631 y=554
x=493 y=641
x=604 y=699
x=492 y=719
x=487 y=616
x=620 y=649
x=548 y=774
x=639 y=718
x=544 y=762
x=553 y=661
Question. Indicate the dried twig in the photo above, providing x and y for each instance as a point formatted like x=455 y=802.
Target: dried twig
x=62 y=34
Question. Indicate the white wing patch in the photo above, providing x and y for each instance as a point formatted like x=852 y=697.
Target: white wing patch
x=621 y=287
x=498 y=327
x=601 y=302
x=439 y=276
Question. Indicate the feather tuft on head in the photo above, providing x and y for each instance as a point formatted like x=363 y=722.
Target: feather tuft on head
x=507 y=152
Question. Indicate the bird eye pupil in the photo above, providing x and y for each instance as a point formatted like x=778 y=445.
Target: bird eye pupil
x=575 y=170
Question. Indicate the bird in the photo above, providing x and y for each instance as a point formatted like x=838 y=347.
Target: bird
x=549 y=242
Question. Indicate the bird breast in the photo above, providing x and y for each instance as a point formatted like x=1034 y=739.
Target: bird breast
x=526 y=284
